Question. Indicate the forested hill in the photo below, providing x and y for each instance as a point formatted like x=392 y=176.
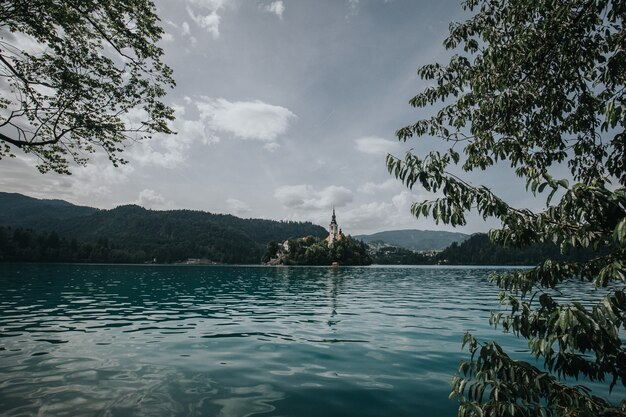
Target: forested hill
x=479 y=250
x=17 y=210
x=417 y=240
x=132 y=233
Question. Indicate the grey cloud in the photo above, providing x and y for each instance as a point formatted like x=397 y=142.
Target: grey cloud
x=376 y=146
x=276 y=7
x=306 y=197
x=201 y=120
x=237 y=206
x=149 y=198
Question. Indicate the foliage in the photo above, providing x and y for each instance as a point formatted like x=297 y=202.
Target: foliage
x=349 y=251
x=393 y=255
x=78 y=76
x=18 y=210
x=23 y=245
x=538 y=85
x=480 y=250
x=417 y=240
x=167 y=236
x=271 y=251
x=315 y=251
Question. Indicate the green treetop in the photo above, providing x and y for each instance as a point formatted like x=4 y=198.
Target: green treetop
x=536 y=85
x=80 y=76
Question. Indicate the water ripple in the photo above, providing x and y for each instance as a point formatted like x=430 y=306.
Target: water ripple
x=87 y=340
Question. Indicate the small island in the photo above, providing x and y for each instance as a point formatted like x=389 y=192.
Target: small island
x=336 y=249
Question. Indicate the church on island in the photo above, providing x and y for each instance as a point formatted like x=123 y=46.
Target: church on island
x=336 y=248
x=334 y=232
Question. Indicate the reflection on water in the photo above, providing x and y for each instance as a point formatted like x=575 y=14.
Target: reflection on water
x=235 y=341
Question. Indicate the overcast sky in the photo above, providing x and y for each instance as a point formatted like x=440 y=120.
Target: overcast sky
x=284 y=109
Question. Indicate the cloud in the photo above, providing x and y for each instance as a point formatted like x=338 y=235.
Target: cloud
x=376 y=146
x=237 y=206
x=254 y=120
x=276 y=7
x=99 y=177
x=209 y=4
x=205 y=15
x=203 y=120
x=209 y=22
x=167 y=37
x=170 y=151
x=352 y=8
x=149 y=198
x=306 y=197
x=378 y=215
x=271 y=146
x=405 y=200
x=373 y=188
x=186 y=29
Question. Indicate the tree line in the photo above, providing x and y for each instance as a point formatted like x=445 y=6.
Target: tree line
x=479 y=250
x=316 y=251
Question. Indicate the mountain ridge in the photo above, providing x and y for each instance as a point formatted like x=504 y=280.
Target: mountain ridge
x=165 y=235
x=416 y=239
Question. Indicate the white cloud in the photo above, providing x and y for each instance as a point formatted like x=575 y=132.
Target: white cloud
x=373 y=188
x=209 y=22
x=186 y=29
x=276 y=7
x=98 y=178
x=253 y=120
x=149 y=198
x=376 y=146
x=271 y=146
x=379 y=215
x=202 y=120
x=170 y=151
x=306 y=197
x=208 y=4
x=167 y=37
x=237 y=206
x=405 y=200
x=98 y=183
x=205 y=15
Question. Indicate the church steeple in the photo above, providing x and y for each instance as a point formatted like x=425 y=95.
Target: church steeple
x=333 y=230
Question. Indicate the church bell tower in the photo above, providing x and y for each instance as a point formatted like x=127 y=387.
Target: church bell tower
x=333 y=230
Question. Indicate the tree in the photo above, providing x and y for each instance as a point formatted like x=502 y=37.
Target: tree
x=78 y=76
x=536 y=85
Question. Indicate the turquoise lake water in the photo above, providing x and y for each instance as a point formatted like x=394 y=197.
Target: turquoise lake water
x=93 y=340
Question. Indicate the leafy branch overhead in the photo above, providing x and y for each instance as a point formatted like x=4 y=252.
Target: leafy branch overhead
x=537 y=86
x=80 y=76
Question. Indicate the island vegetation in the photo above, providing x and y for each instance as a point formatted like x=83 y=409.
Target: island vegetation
x=315 y=251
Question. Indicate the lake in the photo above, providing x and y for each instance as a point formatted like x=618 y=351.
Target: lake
x=95 y=340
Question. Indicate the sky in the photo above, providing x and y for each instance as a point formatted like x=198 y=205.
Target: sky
x=284 y=109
